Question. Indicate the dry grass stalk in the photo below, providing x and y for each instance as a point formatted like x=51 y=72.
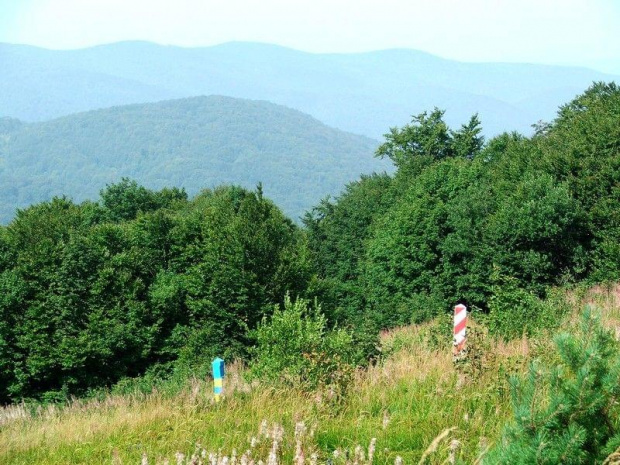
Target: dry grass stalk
x=371 y=450
x=613 y=459
x=432 y=448
x=12 y=413
x=454 y=447
x=386 y=420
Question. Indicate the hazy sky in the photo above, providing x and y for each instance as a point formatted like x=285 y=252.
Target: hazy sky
x=583 y=32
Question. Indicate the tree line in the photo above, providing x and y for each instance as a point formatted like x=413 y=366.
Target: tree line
x=490 y=224
x=146 y=280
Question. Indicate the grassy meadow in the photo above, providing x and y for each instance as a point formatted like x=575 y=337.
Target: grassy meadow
x=414 y=406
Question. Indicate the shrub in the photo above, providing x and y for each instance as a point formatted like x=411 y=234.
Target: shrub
x=295 y=347
x=514 y=311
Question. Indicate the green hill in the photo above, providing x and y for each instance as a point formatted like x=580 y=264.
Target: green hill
x=192 y=143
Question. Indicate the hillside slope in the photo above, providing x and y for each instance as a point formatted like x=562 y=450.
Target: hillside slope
x=193 y=143
x=364 y=93
x=415 y=394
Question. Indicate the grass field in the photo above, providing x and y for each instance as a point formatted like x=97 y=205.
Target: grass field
x=416 y=406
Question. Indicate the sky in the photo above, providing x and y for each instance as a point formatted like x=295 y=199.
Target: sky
x=574 y=32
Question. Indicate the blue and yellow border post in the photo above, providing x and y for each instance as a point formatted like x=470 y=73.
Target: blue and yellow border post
x=218 y=378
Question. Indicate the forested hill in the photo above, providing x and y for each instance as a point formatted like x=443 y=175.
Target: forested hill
x=364 y=93
x=192 y=143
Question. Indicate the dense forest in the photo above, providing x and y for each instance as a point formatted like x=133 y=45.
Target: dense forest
x=149 y=280
x=194 y=143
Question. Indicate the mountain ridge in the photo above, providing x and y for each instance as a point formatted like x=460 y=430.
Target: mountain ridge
x=364 y=93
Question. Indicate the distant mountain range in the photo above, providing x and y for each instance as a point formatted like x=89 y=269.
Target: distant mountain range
x=364 y=93
x=194 y=143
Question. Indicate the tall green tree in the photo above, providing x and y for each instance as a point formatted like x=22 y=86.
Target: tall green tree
x=337 y=232
x=428 y=138
x=582 y=148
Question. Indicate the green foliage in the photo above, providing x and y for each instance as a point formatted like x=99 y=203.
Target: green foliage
x=467 y=142
x=404 y=253
x=494 y=226
x=337 y=232
x=195 y=143
x=92 y=294
x=295 y=346
x=567 y=413
x=582 y=149
x=514 y=311
x=428 y=136
x=124 y=200
x=148 y=281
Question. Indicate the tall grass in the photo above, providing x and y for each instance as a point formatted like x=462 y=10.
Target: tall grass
x=416 y=406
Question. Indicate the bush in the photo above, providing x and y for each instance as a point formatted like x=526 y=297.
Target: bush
x=514 y=311
x=295 y=347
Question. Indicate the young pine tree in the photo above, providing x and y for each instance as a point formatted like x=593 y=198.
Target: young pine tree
x=567 y=414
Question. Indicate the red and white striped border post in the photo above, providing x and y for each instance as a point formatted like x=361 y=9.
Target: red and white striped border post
x=460 y=328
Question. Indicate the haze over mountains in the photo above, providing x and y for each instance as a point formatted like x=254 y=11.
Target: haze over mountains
x=365 y=93
x=195 y=143
x=58 y=145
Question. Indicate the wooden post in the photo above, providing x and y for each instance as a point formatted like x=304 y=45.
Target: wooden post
x=460 y=329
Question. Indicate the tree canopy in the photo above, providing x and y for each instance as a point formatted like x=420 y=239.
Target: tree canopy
x=461 y=216
x=142 y=279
